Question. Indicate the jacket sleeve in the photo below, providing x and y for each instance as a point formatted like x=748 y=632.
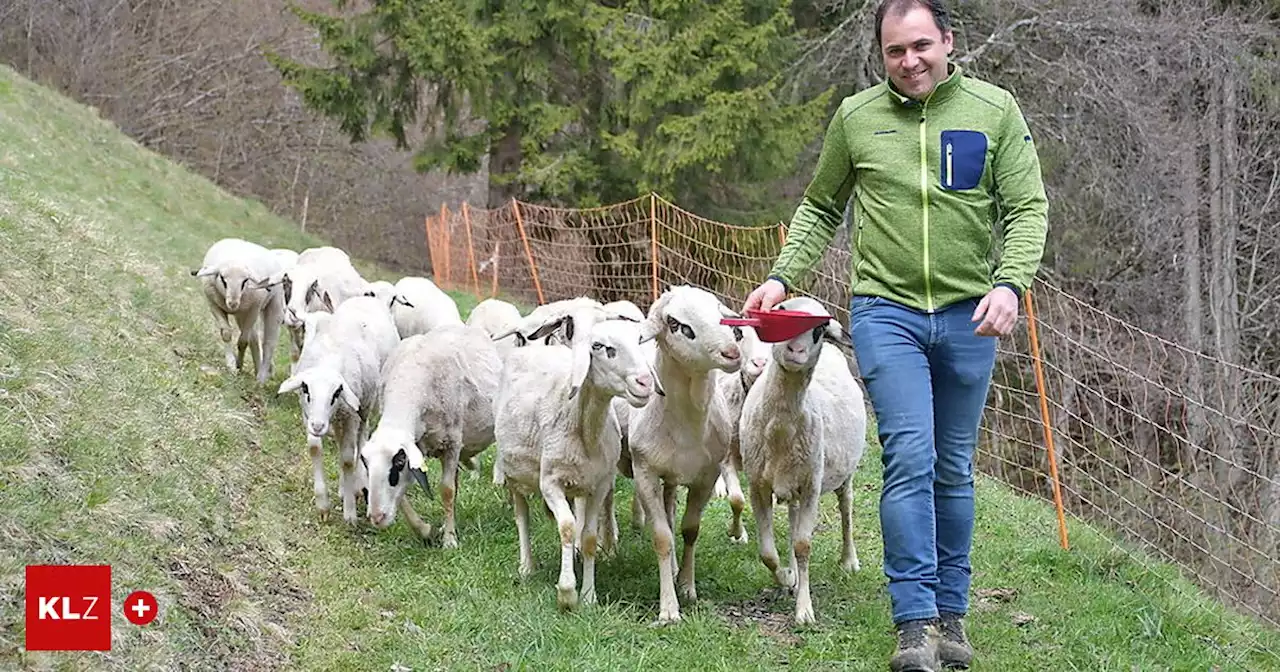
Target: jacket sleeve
x=1020 y=190
x=821 y=208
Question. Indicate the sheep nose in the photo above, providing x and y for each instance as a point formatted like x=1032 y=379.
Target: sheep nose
x=759 y=362
x=317 y=429
x=376 y=517
x=644 y=380
x=799 y=350
x=731 y=353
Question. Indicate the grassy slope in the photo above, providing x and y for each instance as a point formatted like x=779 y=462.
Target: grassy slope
x=122 y=440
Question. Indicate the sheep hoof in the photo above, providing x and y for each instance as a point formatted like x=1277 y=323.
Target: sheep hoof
x=450 y=540
x=739 y=538
x=785 y=577
x=566 y=598
x=805 y=616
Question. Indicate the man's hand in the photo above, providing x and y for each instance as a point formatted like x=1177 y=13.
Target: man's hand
x=764 y=297
x=998 y=311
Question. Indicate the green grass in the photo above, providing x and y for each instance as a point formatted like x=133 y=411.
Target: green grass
x=123 y=440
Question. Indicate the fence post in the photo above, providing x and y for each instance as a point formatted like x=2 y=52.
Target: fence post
x=1044 y=419
x=431 y=248
x=497 y=254
x=471 y=250
x=445 y=251
x=528 y=252
x=653 y=240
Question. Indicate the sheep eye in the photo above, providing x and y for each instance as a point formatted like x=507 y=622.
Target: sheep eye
x=737 y=333
x=611 y=351
x=305 y=391
x=597 y=346
x=673 y=324
x=288 y=289
x=336 y=393
x=222 y=280
x=365 y=462
x=687 y=331
x=817 y=334
x=243 y=283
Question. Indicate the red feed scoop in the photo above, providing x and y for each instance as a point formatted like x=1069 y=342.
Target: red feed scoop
x=776 y=326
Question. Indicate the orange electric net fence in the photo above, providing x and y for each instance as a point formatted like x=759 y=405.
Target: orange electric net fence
x=1173 y=451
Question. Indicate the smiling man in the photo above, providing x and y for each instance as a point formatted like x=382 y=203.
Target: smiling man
x=933 y=159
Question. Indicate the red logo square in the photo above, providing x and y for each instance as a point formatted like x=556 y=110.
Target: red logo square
x=68 y=608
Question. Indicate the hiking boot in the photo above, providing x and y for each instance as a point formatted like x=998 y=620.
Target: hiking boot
x=953 y=647
x=917 y=649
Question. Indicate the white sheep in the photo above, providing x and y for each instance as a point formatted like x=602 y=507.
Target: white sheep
x=437 y=397
x=557 y=433
x=803 y=433
x=420 y=306
x=286 y=256
x=320 y=279
x=726 y=409
x=668 y=437
x=233 y=273
x=496 y=316
x=337 y=380
x=383 y=291
x=548 y=313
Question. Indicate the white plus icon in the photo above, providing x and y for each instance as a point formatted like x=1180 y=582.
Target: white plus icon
x=141 y=608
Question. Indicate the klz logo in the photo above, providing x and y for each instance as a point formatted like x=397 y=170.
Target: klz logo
x=68 y=608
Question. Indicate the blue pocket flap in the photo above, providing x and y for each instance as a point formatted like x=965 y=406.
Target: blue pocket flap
x=964 y=157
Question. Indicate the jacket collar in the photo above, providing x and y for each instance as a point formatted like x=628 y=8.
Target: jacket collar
x=941 y=92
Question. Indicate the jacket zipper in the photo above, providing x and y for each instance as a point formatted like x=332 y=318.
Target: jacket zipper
x=949 y=182
x=924 y=201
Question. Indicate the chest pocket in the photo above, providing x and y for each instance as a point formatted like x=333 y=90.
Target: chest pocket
x=964 y=156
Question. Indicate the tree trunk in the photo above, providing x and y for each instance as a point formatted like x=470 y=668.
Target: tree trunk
x=504 y=161
x=1192 y=290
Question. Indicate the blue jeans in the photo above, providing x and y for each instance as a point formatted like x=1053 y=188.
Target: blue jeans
x=927 y=378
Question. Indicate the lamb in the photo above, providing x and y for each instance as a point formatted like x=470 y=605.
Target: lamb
x=420 y=306
x=803 y=433
x=232 y=272
x=436 y=401
x=337 y=380
x=544 y=314
x=668 y=439
x=558 y=435
x=726 y=409
x=383 y=291
x=321 y=279
x=495 y=317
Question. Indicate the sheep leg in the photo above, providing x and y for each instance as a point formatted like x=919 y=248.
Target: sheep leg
x=349 y=434
x=608 y=522
x=669 y=507
x=762 y=509
x=521 y=504
x=225 y=332
x=567 y=586
x=295 y=343
x=637 y=513
x=737 y=531
x=271 y=318
x=803 y=515
x=848 y=553
x=317 y=474
x=694 y=506
x=451 y=455
x=421 y=527
x=249 y=338
x=649 y=492
x=590 y=527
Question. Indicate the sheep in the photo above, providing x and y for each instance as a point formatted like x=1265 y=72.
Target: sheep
x=321 y=279
x=420 y=306
x=383 y=291
x=803 y=433
x=495 y=317
x=286 y=256
x=668 y=437
x=337 y=380
x=557 y=433
x=545 y=313
x=436 y=401
x=726 y=409
x=232 y=273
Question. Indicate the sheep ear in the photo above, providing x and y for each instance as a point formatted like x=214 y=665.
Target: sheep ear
x=290 y=384
x=350 y=397
x=421 y=477
x=415 y=456
x=836 y=334
x=547 y=328
x=581 y=366
x=326 y=302
x=400 y=300
x=726 y=311
x=204 y=272
x=653 y=322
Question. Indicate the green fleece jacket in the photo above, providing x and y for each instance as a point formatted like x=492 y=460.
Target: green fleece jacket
x=930 y=180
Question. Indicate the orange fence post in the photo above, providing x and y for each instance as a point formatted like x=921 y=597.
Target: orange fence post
x=431 y=248
x=528 y=252
x=782 y=234
x=1044 y=419
x=653 y=239
x=447 y=250
x=471 y=250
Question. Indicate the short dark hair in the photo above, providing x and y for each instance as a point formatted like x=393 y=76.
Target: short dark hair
x=938 y=8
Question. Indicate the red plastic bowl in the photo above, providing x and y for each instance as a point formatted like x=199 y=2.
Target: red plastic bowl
x=776 y=326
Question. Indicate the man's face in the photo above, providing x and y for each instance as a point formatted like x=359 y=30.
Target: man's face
x=914 y=51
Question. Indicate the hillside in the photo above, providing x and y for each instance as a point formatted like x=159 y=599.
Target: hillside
x=123 y=440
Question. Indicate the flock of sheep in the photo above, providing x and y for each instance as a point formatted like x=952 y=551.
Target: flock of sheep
x=572 y=395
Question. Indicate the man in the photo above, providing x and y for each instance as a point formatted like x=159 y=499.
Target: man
x=933 y=159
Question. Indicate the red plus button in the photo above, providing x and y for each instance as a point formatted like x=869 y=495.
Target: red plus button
x=140 y=607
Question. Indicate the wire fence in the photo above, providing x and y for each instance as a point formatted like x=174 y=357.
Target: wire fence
x=1172 y=451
